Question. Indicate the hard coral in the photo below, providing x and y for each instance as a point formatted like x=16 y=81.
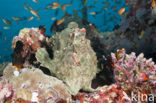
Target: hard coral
x=74 y=61
x=135 y=73
x=5 y=90
x=29 y=36
x=25 y=45
x=34 y=86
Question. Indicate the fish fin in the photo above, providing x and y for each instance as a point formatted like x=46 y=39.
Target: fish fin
x=30 y=7
x=63 y=7
x=25 y=7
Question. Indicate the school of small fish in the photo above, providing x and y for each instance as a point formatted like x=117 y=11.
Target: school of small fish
x=56 y=5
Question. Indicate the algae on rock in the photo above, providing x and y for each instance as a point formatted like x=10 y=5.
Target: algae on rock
x=74 y=60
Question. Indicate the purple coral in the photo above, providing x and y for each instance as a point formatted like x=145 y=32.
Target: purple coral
x=31 y=37
x=135 y=73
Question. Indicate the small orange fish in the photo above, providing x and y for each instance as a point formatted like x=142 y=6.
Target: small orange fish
x=92 y=27
x=106 y=3
x=53 y=18
x=17 y=18
x=64 y=6
x=120 y=54
x=30 y=18
x=30 y=6
x=145 y=78
x=60 y=21
x=25 y=7
x=121 y=11
x=35 y=13
x=153 y=3
x=56 y=4
x=68 y=4
x=92 y=13
x=7 y=22
x=55 y=7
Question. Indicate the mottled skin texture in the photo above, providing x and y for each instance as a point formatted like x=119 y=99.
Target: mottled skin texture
x=74 y=61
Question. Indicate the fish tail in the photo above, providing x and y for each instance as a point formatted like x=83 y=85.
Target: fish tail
x=63 y=8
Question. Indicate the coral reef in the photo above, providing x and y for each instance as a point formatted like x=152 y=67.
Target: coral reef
x=137 y=28
x=74 y=60
x=26 y=44
x=5 y=90
x=30 y=37
x=106 y=94
x=135 y=32
x=135 y=73
x=2 y=67
x=75 y=56
x=34 y=86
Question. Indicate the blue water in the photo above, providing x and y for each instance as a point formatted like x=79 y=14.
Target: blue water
x=105 y=20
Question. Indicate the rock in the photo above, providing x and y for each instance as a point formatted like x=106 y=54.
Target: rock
x=33 y=85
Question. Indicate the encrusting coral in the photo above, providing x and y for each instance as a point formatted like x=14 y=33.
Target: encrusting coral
x=135 y=73
x=26 y=44
x=106 y=94
x=29 y=36
x=74 y=60
x=5 y=90
x=2 y=67
x=34 y=86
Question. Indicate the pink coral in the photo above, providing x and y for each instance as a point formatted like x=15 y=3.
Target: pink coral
x=31 y=37
x=25 y=45
x=106 y=94
x=5 y=90
x=135 y=73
